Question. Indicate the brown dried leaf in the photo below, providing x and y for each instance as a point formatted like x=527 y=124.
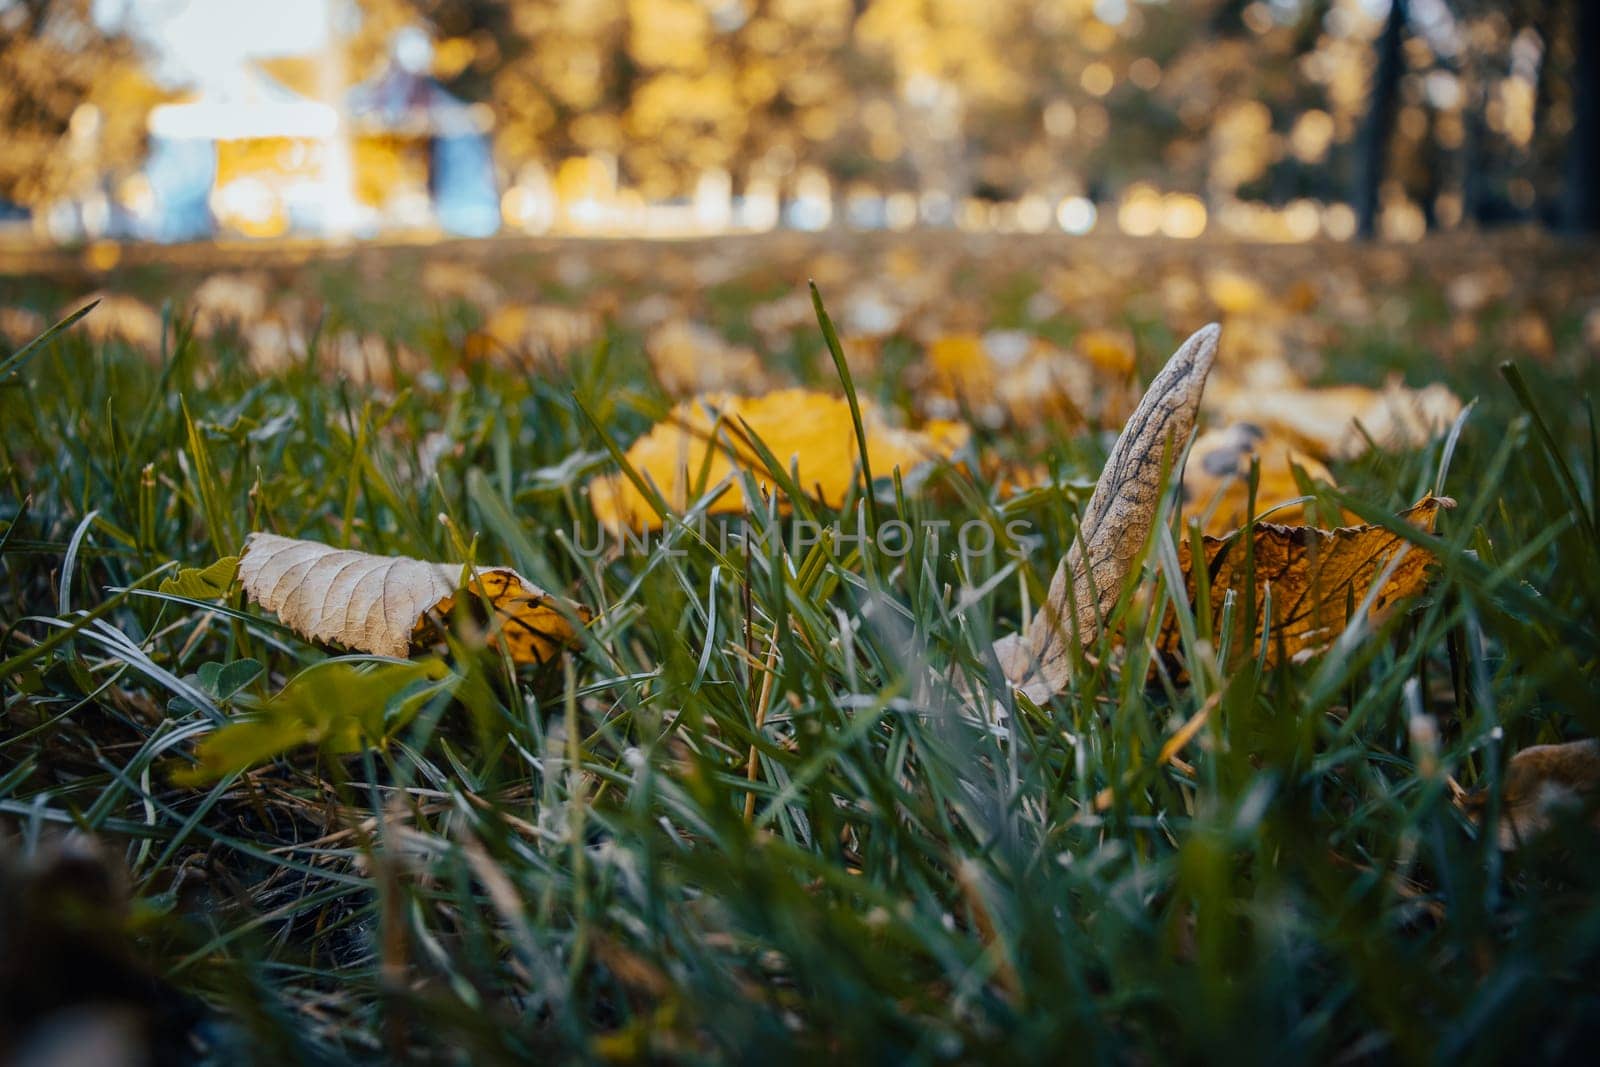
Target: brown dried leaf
x=1314 y=578
x=386 y=605
x=1115 y=523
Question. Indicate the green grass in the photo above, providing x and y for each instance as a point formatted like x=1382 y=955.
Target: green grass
x=559 y=861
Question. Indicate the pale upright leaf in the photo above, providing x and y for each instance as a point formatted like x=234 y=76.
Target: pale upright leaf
x=1114 y=526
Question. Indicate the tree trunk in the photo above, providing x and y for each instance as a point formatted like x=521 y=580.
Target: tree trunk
x=1475 y=149
x=1372 y=149
x=1582 y=199
x=1227 y=20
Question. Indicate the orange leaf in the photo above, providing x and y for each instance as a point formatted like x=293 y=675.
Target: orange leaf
x=1313 y=577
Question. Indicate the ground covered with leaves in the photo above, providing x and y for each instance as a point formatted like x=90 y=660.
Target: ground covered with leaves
x=674 y=754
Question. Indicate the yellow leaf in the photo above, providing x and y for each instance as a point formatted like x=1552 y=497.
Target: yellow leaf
x=387 y=605
x=203 y=583
x=1008 y=377
x=1234 y=293
x=1109 y=350
x=808 y=430
x=337 y=704
x=536 y=337
x=960 y=367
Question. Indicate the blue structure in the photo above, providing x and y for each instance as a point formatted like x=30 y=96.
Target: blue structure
x=181 y=172
x=461 y=175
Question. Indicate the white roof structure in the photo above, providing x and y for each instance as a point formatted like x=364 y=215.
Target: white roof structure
x=247 y=104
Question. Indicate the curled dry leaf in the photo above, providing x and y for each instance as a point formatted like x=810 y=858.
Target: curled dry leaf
x=805 y=430
x=1114 y=526
x=1312 y=578
x=1541 y=783
x=386 y=605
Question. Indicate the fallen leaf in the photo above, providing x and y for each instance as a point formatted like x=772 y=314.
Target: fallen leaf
x=1009 y=377
x=690 y=358
x=863 y=353
x=1216 y=478
x=1529 y=332
x=776 y=320
x=1109 y=350
x=806 y=430
x=274 y=346
x=1313 y=577
x=120 y=317
x=368 y=359
x=1337 y=422
x=956 y=365
x=443 y=279
x=1234 y=293
x=1115 y=523
x=537 y=337
x=386 y=605
x=20 y=325
x=1542 y=782
x=228 y=301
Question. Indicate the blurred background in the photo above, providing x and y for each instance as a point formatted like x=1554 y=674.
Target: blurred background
x=412 y=120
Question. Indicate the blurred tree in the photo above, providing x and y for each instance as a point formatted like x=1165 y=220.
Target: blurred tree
x=73 y=100
x=1372 y=148
x=1462 y=106
x=1582 y=206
